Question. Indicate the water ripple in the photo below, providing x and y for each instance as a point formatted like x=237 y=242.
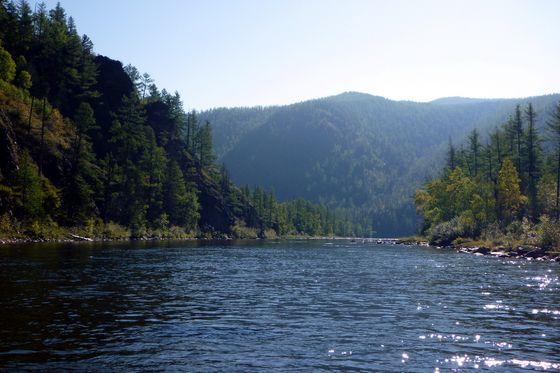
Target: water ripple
x=306 y=306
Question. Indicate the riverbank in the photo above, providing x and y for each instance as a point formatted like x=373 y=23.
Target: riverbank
x=522 y=251
x=527 y=252
x=68 y=238
x=95 y=230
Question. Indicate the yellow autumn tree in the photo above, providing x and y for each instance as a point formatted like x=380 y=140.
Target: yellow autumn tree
x=510 y=200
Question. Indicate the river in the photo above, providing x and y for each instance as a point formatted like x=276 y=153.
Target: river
x=274 y=306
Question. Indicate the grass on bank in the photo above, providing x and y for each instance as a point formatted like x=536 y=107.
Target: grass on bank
x=544 y=234
x=47 y=229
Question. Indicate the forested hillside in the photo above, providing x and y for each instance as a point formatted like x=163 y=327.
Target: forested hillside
x=91 y=147
x=361 y=154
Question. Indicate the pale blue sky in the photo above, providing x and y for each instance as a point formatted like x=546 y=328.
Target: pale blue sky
x=265 y=52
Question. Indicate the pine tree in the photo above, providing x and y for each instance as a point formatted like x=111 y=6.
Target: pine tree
x=154 y=162
x=206 y=154
x=474 y=148
x=25 y=28
x=192 y=131
x=451 y=156
x=82 y=174
x=518 y=133
x=144 y=85
x=553 y=126
x=532 y=160
x=180 y=201
x=28 y=188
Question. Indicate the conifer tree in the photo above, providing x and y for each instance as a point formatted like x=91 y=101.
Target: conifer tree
x=25 y=28
x=451 y=155
x=82 y=174
x=474 y=148
x=28 y=187
x=553 y=126
x=206 y=154
x=532 y=160
x=180 y=202
x=518 y=133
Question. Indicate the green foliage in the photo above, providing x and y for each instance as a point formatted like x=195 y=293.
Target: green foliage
x=7 y=66
x=28 y=189
x=241 y=231
x=491 y=204
x=45 y=229
x=444 y=233
x=180 y=199
x=8 y=227
x=548 y=233
x=510 y=199
x=24 y=80
x=206 y=154
x=553 y=127
x=115 y=231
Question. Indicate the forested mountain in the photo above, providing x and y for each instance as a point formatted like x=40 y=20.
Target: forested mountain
x=361 y=154
x=95 y=147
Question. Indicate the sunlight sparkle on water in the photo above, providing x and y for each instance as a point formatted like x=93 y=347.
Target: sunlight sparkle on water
x=464 y=361
x=404 y=357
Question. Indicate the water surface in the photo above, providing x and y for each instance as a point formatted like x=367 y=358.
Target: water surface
x=283 y=306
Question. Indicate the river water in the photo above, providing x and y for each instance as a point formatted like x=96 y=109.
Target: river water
x=274 y=306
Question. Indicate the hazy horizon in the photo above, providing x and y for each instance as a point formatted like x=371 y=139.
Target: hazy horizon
x=380 y=96
x=251 y=53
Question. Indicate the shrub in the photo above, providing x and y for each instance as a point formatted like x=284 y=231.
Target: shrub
x=270 y=234
x=240 y=230
x=8 y=227
x=115 y=231
x=46 y=229
x=548 y=234
x=445 y=233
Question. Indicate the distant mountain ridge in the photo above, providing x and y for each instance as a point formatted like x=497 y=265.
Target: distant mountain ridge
x=362 y=153
x=457 y=100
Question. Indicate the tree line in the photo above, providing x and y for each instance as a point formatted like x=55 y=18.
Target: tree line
x=91 y=144
x=504 y=188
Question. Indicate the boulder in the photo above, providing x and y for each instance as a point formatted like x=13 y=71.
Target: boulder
x=536 y=253
x=481 y=250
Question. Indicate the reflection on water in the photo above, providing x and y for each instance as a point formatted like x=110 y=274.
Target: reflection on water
x=280 y=306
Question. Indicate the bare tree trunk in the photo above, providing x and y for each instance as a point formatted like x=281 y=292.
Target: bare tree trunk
x=30 y=115
x=42 y=147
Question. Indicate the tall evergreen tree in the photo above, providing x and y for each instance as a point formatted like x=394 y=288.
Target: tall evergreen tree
x=451 y=155
x=28 y=187
x=474 y=148
x=180 y=202
x=553 y=126
x=518 y=130
x=81 y=178
x=206 y=155
x=532 y=160
x=25 y=28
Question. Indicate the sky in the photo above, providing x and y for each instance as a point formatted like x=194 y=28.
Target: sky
x=273 y=52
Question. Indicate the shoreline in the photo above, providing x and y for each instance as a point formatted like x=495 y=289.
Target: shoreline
x=526 y=252
x=77 y=239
